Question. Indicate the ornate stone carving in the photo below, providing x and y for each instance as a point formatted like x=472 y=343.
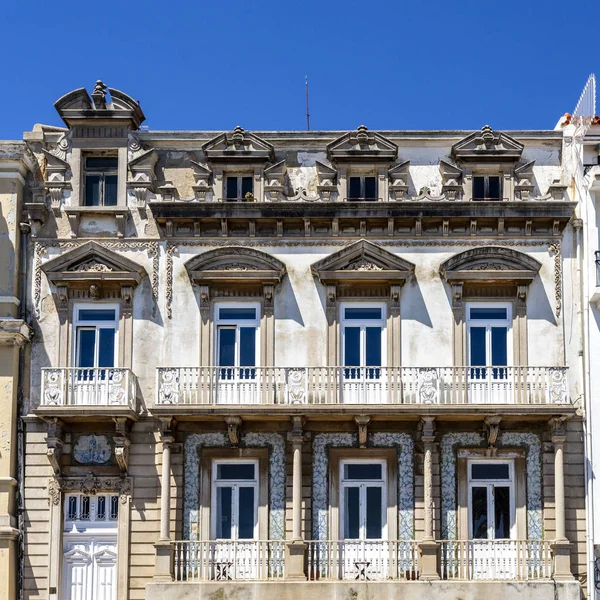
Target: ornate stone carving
x=122 y=442
x=233 y=430
x=428 y=386
x=555 y=251
x=54 y=443
x=93 y=266
x=399 y=180
x=362 y=264
x=362 y=421
x=54 y=491
x=493 y=429
x=301 y=195
x=488 y=266
x=235 y=266
x=171 y=249
x=90 y=485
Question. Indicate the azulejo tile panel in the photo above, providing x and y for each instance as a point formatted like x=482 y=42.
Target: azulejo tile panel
x=322 y=442
x=193 y=445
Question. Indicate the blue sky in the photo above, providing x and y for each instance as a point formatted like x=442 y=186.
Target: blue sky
x=425 y=64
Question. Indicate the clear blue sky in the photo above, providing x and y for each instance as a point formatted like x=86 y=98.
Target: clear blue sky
x=423 y=64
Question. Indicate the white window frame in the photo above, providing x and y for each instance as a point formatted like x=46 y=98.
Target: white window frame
x=486 y=186
x=362 y=176
x=218 y=323
x=97 y=325
x=79 y=525
x=488 y=324
x=363 y=324
x=239 y=177
x=362 y=484
x=490 y=484
x=235 y=484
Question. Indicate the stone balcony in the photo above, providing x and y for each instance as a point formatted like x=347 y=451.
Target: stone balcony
x=78 y=392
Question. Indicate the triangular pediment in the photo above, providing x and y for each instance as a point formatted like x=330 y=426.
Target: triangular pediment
x=235 y=263
x=239 y=145
x=487 y=145
x=362 y=145
x=77 y=556
x=78 y=99
x=145 y=160
x=362 y=260
x=91 y=261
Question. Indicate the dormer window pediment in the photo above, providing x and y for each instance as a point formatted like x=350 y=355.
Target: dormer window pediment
x=240 y=145
x=486 y=146
x=362 y=145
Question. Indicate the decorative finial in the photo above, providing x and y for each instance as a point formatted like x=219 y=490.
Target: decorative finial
x=99 y=94
x=487 y=135
x=238 y=135
x=362 y=136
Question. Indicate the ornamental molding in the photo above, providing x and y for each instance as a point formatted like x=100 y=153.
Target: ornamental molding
x=487 y=145
x=239 y=145
x=362 y=145
x=91 y=266
x=89 y=485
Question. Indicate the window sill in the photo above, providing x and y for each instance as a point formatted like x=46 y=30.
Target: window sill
x=119 y=213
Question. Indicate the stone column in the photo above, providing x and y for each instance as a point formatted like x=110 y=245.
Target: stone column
x=164 y=551
x=561 y=548
x=296 y=548
x=428 y=548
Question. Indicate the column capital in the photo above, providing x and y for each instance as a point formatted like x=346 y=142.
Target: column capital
x=362 y=421
x=167 y=430
x=428 y=432
x=297 y=435
x=557 y=427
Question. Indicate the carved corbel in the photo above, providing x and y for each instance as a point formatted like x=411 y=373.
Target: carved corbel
x=452 y=178
x=399 y=180
x=62 y=298
x=524 y=181
x=275 y=181
x=233 y=430
x=127 y=298
x=167 y=430
x=268 y=304
x=36 y=216
x=521 y=300
x=362 y=421
x=492 y=425
x=326 y=185
x=458 y=305
x=54 y=443
x=202 y=176
x=296 y=435
x=428 y=430
x=122 y=442
x=120 y=218
x=557 y=428
x=73 y=223
x=395 y=299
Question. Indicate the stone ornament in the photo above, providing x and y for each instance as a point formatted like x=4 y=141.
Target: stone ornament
x=92 y=449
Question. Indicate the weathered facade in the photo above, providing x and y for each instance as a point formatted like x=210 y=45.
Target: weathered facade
x=300 y=364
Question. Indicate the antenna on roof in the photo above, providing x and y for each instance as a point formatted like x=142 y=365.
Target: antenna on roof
x=307 y=113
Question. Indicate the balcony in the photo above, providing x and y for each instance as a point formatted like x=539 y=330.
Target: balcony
x=88 y=391
x=327 y=386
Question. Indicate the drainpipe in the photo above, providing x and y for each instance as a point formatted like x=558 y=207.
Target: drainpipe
x=25 y=229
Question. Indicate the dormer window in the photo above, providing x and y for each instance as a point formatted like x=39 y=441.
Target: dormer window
x=238 y=187
x=100 y=180
x=487 y=187
x=362 y=188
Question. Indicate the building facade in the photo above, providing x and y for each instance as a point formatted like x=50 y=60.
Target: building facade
x=300 y=364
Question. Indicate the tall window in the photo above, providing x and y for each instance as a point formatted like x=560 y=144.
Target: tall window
x=362 y=188
x=237 y=338
x=95 y=335
x=101 y=176
x=363 y=500
x=491 y=500
x=362 y=339
x=238 y=187
x=235 y=499
x=487 y=187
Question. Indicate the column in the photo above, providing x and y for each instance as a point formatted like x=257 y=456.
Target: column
x=428 y=548
x=561 y=548
x=295 y=550
x=163 y=548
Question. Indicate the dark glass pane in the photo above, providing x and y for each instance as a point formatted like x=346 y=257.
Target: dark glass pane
x=352 y=346
x=226 y=347
x=92 y=314
x=92 y=190
x=494 y=188
x=478 y=188
x=102 y=163
x=246 y=512
x=236 y=314
x=373 y=357
x=354 y=188
x=477 y=346
x=362 y=471
x=224 y=513
x=87 y=343
x=114 y=507
x=232 y=190
x=499 y=349
x=352 y=502
x=247 y=346
x=374 y=516
x=362 y=313
x=235 y=471
x=487 y=314
x=106 y=351
x=479 y=516
x=247 y=186
x=101 y=508
x=72 y=508
x=490 y=471
x=370 y=188
x=85 y=508
x=110 y=190
x=502 y=512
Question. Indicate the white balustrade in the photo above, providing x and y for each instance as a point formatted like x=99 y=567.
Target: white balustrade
x=367 y=385
x=224 y=560
x=367 y=560
x=88 y=387
x=496 y=559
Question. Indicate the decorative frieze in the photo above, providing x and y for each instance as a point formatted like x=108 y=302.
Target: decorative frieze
x=89 y=485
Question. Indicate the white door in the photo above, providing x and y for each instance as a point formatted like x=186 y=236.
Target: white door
x=492 y=526
x=363 y=380
x=488 y=327
x=363 y=553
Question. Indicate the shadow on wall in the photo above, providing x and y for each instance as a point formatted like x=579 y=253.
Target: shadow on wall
x=413 y=305
x=538 y=304
x=286 y=304
x=7 y=258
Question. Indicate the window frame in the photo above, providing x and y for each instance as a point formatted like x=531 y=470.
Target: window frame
x=381 y=483
x=225 y=323
x=362 y=197
x=236 y=484
x=78 y=324
x=102 y=173
x=489 y=484
x=240 y=177
x=486 y=187
x=488 y=324
x=362 y=325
